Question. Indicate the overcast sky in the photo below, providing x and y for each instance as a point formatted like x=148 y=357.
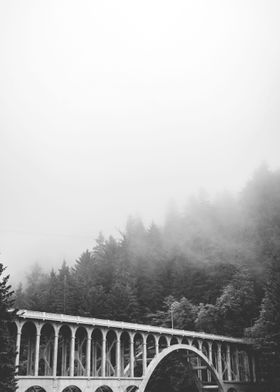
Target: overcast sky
x=111 y=108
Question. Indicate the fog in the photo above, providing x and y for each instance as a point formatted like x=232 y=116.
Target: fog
x=114 y=108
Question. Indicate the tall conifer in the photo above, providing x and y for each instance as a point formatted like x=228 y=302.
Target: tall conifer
x=7 y=350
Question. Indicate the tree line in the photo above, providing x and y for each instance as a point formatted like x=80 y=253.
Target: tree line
x=213 y=266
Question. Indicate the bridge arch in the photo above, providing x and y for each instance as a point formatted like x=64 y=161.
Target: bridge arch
x=131 y=388
x=71 y=388
x=179 y=347
x=35 y=388
x=104 y=388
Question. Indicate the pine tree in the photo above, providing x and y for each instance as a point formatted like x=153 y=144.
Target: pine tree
x=237 y=306
x=7 y=351
x=65 y=291
x=266 y=330
x=122 y=298
x=36 y=288
x=20 y=300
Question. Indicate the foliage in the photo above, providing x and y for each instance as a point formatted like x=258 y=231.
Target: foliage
x=207 y=319
x=7 y=350
x=266 y=330
x=173 y=375
x=237 y=306
x=179 y=314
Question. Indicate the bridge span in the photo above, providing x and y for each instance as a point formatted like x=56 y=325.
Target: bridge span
x=63 y=353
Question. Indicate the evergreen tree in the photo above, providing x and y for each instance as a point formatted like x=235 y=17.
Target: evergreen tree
x=51 y=293
x=266 y=330
x=7 y=350
x=184 y=314
x=163 y=316
x=207 y=319
x=37 y=283
x=122 y=299
x=66 y=298
x=20 y=297
x=237 y=306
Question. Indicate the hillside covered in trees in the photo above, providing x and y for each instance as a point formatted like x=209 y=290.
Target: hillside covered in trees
x=215 y=266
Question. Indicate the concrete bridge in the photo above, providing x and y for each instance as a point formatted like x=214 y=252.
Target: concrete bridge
x=62 y=353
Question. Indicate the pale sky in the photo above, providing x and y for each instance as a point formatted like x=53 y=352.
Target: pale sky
x=112 y=108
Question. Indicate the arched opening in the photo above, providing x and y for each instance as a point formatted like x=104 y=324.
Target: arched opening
x=35 y=388
x=162 y=343
x=224 y=362
x=125 y=355
x=138 y=354
x=80 y=352
x=46 y=351
x=111 y=354
x=63 y=354
x=176 y=369
x=205 y=349
x=104 y=388
x=131 y=388
x=172 y=374
x=151 y=348
x=27 y=349
x=173 y=341
x=215 y=355
x=234 y=363
x=96 y=353
x=205 y=373
x=195 y=343
x=72 y=388
x=244 y=368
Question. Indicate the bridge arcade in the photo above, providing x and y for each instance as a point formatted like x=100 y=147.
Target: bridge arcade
x=60 y=347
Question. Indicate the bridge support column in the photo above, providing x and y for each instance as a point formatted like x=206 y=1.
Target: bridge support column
x=93 y=359
x=55 y=350
x=88 y=352
x=118 y=354
x=19 y=328
x=131 y=354
x=228 y=363
x=253 y=361
x=168 y=339
x=236 y=358
x=210 y=356
x=144 y=358
x=200 y=343
x=220 y=368
x=103 y=356
x=37 y=348
x=156 y=344
x=210 y=352
x=72 y=351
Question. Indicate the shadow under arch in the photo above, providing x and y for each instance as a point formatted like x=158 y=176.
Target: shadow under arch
x=35 y=388
x=179 y=348
x=104 y=388
x=71 y=388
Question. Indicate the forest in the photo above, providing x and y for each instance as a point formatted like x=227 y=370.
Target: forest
x=213 y=266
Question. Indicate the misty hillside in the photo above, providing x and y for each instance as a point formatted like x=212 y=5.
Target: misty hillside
x=209 y=263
